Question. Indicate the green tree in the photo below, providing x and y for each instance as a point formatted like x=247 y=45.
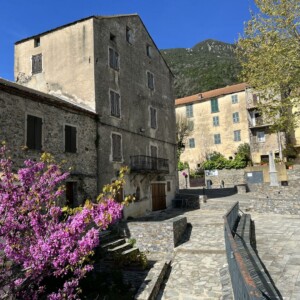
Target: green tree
x=184 y=127
x=269 y=52
x=244 y=152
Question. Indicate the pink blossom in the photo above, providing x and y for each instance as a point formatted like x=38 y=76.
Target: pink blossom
x=33 y=237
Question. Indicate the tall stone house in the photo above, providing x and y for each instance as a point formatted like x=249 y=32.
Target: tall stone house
x=110 y=70
x=222 y=119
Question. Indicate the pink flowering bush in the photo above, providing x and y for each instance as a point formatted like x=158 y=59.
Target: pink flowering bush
x=37 y=240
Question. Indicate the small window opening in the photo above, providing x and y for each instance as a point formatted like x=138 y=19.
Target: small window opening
x=149 y=51
x=112 y=37
x=128 y=35
x=37 y=42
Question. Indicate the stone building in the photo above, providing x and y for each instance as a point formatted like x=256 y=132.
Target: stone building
x=222 y=119
x=110 y=66
x=33 y=122
x=262 y=140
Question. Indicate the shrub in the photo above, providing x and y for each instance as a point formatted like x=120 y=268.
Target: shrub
x=182 y=166
x=39 y=242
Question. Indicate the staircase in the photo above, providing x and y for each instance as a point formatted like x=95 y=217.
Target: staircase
x=113 y=247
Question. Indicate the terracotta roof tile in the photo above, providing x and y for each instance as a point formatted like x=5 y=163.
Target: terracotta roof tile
x=211 y=94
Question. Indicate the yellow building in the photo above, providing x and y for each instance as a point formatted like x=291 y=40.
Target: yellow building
x=221 y=120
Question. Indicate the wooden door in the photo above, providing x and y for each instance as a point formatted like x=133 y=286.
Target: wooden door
x=158 y=196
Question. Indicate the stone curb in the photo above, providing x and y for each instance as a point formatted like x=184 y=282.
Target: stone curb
x=151 y=286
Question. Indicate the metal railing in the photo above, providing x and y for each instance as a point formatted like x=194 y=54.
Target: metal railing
x=143 y=163
x=242 y=283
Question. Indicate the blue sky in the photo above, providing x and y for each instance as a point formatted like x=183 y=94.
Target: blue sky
x=171 y=23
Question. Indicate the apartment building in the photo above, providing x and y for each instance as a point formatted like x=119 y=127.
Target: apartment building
x=110 y=66
x=221 y=120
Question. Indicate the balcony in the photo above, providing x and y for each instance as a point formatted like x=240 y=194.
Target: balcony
x=258 y=122
x=148 y=164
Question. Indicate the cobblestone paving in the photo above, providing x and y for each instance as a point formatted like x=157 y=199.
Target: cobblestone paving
x=198 y=262
x=196 y=265
x=278 y=245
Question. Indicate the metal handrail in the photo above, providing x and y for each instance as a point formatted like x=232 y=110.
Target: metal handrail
x=245 y=287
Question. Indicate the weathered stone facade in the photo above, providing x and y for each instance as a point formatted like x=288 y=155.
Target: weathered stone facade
x=88 y=61
x=16 y=102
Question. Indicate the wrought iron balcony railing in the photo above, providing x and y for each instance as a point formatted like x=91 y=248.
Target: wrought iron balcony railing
x=148 y=164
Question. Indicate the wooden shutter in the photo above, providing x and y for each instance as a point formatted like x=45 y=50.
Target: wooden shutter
x=115 y=104
x=153 y=117
x=70 y=139
x=111 y=62
x=34 y=133
x=116 y=147
x=113 y=59
x=36 y=63
x=150 y=81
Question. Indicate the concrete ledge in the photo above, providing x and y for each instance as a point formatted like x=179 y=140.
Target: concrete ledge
x=151 y=286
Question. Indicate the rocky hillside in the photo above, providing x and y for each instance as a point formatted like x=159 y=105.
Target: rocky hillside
x=208 y=65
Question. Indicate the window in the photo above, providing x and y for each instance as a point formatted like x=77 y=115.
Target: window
x=190 y=125
x=37 y=42
x=237 y=135
x=71 y=194
x=137 y=195
x=114 y=104
x=116 y=147
x=36 y=63
x=153 y=118
x=128 y=35
x=236 y=117
x=70 y=139
x=234 y=99
x=34 y=132
x=149 y=51
x=216 y=121
x=113 y=59
x=119 y=195
x=260 y=135
x=189 y=110
x=217 y=138
x=112 y=37
x=150 y=78
x=192 y=143
x=214 y=105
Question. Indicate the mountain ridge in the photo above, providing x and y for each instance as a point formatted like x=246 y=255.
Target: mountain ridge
x=208 y=65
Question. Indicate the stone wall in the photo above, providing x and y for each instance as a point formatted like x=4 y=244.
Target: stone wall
x=279 y=206
x=17 y=102
x=230 y=177
x=160 y=236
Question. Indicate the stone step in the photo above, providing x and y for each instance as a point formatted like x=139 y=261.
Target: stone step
x=131 y=251
x=113 y=244
x=120 y=248
x=107 y=237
